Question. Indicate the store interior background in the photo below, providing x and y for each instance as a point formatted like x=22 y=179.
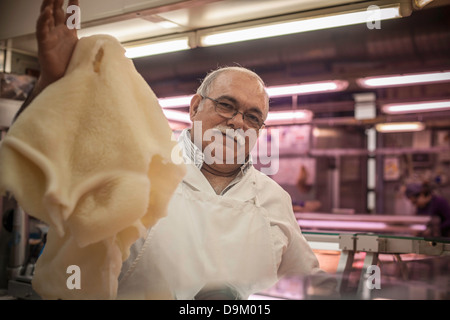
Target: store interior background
x=333 y=147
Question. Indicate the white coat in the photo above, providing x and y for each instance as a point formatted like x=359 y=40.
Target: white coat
x=245 y=239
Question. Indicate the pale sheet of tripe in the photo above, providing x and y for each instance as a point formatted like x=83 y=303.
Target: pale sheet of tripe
x=92 y=157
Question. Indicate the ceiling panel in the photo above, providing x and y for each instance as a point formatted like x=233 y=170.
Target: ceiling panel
x=133 y=19
x=233 y=11
x=18 y=17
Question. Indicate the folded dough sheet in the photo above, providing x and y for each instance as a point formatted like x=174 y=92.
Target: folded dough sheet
x=93 y=157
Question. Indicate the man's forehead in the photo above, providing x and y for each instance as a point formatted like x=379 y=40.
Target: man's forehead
x=230 y=82
x=231 y=76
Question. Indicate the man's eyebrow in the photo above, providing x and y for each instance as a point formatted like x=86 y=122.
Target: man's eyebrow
x=235 y=102
x=229 y=98
x=257 y=110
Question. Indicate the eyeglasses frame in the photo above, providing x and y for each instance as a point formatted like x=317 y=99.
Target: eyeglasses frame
x=236 y=111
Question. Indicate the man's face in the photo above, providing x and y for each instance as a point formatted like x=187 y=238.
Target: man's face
x=420 y=200
x=243 y=92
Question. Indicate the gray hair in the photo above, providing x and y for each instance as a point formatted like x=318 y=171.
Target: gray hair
x=205 y=86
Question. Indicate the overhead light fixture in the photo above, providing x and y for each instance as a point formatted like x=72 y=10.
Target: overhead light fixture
x=218 y=37
x=148 y=49
x=288 y=117
x=174 y=102
x=399 y=127
x=402 y=80
x=307 y=88
x=427 y=106
x=273 y=118
x=275 y=91
x=179 y=116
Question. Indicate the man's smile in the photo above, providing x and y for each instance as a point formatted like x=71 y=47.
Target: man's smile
x=235 y=135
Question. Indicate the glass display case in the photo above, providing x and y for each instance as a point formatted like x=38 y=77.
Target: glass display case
x=374 y=266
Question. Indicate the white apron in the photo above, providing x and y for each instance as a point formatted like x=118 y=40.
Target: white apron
x=205 y=240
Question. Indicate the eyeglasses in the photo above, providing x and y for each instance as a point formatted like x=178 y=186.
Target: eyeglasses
x=229 y=111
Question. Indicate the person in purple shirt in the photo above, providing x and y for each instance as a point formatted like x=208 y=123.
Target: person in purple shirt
x=428 y=203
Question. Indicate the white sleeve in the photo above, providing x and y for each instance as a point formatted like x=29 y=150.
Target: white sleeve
x=298 y=259
x=297 y=256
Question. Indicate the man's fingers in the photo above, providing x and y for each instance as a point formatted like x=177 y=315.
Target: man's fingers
x=46 y=3
x=58 y=12
x=44 y=23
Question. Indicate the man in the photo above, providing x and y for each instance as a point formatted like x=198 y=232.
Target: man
x=428 y=203
x=230 y=230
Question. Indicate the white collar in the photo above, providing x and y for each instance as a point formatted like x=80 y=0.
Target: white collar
x=193 y=155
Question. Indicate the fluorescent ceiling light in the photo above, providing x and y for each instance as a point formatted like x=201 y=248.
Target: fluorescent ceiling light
x=307 y=88
x=167 y=24
x=273 y=118
x=174 y=102
x=308 y=24
x=325 y=133
x=157 y=48
x=288 y=117
x=400 y=127
x=179 y=116
x=275 y=91
x=401 y=80
x=428 y=106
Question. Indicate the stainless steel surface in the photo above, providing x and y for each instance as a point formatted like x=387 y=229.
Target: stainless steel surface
x=360 y=252
x=20 y=289
x=378 y=223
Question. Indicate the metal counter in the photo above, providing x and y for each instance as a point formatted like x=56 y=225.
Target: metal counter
x=372 y=245
x=378 y=223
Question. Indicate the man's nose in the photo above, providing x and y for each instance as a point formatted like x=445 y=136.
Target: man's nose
x=237 y=122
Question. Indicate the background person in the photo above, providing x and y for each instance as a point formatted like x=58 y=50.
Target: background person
x=427 y=203
x=303 y=187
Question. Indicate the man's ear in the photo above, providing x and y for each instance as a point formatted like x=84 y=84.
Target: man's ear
x=194 y=106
